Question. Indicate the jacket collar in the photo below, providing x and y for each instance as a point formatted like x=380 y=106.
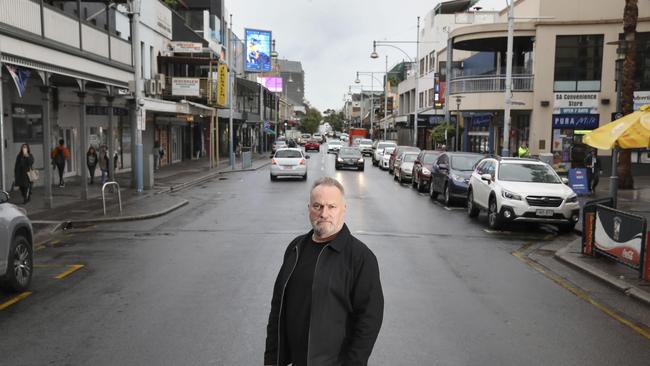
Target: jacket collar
x=339 y=241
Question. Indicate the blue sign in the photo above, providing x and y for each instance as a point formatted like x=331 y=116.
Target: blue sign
x=576 y=121
x=258 y=50
x=578 y=181
x=481 y=120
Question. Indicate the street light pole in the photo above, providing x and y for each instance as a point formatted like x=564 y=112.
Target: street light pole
x=417 y=85
x=2 y=132
x=386 y=98
x=458 y=100
x=231 y=81
x=505 y=151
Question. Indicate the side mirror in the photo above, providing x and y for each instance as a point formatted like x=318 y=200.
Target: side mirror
x=4 y=197
x=307 y=157
x=443 y=166
x=565 y=181
x=486 y=177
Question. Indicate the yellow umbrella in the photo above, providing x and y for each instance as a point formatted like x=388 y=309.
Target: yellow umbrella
x=628 y=132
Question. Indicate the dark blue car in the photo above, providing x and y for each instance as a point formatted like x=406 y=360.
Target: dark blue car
x=450 y=175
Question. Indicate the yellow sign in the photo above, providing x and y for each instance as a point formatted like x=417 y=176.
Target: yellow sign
x=222 y=85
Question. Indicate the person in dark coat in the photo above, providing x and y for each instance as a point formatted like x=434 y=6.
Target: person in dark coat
x=327 y=306
x=91 y=161
x=24 y=163
x=592 y=163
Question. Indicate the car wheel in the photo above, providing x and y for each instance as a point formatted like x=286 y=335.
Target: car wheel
x=472 y=209
x=304 y=177
x=420 y=186
x=447 y=196
x=273 y=178
x=20 y=266
x=432 y=192
x=494 y=217
x=413 y=181
x=361 y=169
x=567 y=228
x=395 y=177
x=337 y=167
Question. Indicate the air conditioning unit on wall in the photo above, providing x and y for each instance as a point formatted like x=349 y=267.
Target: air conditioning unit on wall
x=150 y=87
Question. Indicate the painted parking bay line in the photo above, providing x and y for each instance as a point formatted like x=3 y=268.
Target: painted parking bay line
x=14 y=300
x=520 y=254
x=71 y=269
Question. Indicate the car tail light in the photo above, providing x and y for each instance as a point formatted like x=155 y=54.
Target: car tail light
x=274 y=162
x=302 y=161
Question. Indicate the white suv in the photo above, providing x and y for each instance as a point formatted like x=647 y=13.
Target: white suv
x=16 y=246
x=515 y=189
x=378 y=153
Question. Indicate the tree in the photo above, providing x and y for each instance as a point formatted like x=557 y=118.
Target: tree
x=173 y=4
x=630 y=17
x=311 y=121
x=438 y=132
x=335 y=120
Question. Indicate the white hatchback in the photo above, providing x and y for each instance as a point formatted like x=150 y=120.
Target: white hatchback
x=289 y=162
x=515 y=189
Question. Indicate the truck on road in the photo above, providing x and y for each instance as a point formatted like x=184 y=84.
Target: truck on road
x=357 y=133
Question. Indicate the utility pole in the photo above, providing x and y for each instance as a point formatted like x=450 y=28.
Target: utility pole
x=2 y=132
x=137 y=122
x=505 y=151
x=417 y=83
x=231 y=140
x=386 y=99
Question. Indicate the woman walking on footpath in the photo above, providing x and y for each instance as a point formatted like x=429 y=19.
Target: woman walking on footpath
x=59 y=155
x=24 y=163
x=91 y=161
x=104 y=162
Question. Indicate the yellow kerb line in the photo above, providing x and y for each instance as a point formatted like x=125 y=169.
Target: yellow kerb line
x=14 y=300
x=71 y=269
x=519 y=253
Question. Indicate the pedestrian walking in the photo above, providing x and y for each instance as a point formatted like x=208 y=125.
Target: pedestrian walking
x=59 y=155
x=523 y=151
x=24 y=164
x=592 y=163
x=91 y=161
x=104 y=162
x=327 y=305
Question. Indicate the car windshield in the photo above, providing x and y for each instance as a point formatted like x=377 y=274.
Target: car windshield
x=464 y=163
x=430 y=158
x=350 y=153
x=532 y=173
x=366 y=142
x=388 y=150
x=288 y=154
x=384 y=145
x=334 y=142
x=306 y=136
x=409 y=158
x=280 y=143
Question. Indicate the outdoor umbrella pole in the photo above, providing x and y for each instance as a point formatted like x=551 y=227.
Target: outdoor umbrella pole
x=613 y=179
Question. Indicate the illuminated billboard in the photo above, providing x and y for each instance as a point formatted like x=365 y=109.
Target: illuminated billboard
x=272 y=83
x=258 y=50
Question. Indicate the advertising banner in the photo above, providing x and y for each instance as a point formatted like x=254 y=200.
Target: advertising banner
x=186 y=87
x=222 y=85
x=187 y=47
x=576 y=121
x=641 y=98
x=620 y=236
x=272 y=83
x=258 y=50
x=578 y=181
x=588 y=219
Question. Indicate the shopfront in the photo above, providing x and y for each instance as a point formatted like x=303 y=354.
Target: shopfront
x=568 y=131
x=478 y=133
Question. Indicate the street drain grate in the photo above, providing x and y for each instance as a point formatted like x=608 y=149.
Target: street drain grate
x=223 y=178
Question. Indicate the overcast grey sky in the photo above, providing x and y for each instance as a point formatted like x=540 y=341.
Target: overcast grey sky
x=333 y=38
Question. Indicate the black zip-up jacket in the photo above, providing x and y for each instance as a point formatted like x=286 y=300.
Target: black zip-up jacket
x=347 y=305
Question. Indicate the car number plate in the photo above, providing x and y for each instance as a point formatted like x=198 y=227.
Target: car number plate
x=544 y=212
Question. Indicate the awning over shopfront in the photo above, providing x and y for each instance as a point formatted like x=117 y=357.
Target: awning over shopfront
x=182 y=107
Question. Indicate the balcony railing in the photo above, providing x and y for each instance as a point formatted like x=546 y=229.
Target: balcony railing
x=490 y=83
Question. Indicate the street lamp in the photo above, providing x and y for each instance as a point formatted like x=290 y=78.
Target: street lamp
x=374 y=54
x=621 y=52
x=458 y=100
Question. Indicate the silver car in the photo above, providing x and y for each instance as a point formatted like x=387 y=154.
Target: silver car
x=289 y=162
x=365 y=145
x=403 y=166
x=16 y=246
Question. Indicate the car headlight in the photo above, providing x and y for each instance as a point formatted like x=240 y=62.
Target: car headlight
x=457 y=178
x=361 y=160
x=572 y=199
x=426 y=171
x=511 y=196
x=339 y=160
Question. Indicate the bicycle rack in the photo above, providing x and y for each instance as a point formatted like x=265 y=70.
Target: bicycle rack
x=119 y=195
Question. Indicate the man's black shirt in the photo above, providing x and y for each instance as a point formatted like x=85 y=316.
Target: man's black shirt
x=298 y=301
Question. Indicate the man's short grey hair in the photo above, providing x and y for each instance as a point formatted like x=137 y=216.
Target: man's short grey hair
x=328 y=181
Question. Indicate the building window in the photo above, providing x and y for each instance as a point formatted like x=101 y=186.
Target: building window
x=422 y=67
x=27 y=123
x=432 y=62
x=578 y=62
x=431 y=101
x=642 y=72
x=421 y=100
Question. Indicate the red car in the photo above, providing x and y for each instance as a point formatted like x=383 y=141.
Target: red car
x=422 y=167
x=312 y=145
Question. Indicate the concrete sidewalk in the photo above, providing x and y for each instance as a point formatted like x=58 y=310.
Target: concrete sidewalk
x=69 y=210
x=623 y=278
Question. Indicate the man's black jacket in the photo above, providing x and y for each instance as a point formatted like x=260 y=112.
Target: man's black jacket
x=347 y=304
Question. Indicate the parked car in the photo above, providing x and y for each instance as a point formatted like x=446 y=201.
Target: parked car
x=519 y=189
x=422 y=169
x=349 y=157
x=365 y=145
x=279 y=144
x=333 y=146
x=312 y=144
x=397 y=152
x=344 y=137
x=403 y=166
x=304 y=138
x=318 y=137
x=289 y=162
x=383 y=163
x=378 y=150
x=16 y=246
x=450 y=175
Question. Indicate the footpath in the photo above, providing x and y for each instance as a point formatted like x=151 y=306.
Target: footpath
x=70 y=211
x=625 y=279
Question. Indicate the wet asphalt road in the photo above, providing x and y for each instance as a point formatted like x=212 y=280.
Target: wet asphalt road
x=194 y=287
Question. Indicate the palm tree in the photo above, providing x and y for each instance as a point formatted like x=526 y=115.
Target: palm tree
x=630 y=17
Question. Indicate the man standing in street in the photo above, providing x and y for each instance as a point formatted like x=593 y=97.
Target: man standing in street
x=327 y=305
x=592 y=163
